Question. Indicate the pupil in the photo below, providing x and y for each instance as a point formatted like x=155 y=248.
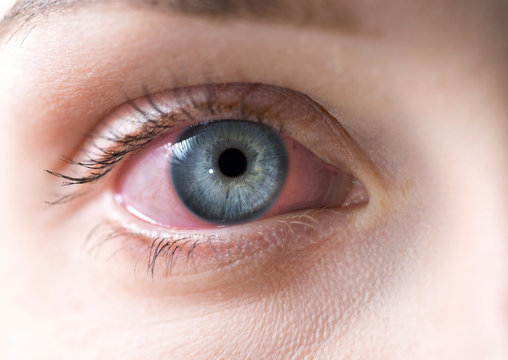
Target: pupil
x=232 y=163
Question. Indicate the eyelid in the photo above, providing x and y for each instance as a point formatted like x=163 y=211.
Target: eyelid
x=138 y=122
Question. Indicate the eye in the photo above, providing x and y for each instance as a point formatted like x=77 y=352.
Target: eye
x=227 y=172
x=212 y=175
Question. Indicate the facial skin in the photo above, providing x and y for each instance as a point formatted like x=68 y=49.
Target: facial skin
x=420 y=272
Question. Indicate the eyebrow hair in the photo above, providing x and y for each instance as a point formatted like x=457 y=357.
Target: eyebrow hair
x=324 y=13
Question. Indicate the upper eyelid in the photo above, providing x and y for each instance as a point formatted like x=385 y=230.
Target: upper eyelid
x=151 y=127
x=136 y=123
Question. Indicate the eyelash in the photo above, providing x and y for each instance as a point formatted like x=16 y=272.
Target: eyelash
x=109 y=158
x=159 y=248
x=127 y=145
x=166 y=250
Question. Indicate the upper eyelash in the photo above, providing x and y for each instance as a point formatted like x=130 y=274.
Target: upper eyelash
x=102 y=164
x=126 y=145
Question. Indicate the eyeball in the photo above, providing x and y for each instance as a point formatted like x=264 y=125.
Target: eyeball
x=227 y=172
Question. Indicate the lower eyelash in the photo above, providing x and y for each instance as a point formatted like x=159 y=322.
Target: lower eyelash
x=162 y=254
x=65 y=199
x=163 y=250
x=158 y=248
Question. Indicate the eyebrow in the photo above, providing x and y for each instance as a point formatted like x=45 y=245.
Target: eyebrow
x=324 y=13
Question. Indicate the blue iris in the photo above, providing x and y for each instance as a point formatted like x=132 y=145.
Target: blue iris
x=229 y=171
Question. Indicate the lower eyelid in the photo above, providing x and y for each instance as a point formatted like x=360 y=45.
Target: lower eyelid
x=240 y=249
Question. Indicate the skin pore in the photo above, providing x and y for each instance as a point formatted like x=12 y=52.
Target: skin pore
x=417 y=93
